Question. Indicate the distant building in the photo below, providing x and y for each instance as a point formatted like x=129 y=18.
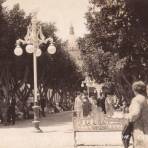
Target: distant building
x=73 y=49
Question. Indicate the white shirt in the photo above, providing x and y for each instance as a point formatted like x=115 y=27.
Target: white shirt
x=78 y=104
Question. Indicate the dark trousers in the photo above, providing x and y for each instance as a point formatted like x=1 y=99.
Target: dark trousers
x=126 y=142
x=4 y=117
x=127 y=134
x=11 y=116
x=1 y=117
x=43 y=111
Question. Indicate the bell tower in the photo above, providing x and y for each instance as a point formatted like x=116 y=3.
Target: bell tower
x=72 y=44
x=73 y=49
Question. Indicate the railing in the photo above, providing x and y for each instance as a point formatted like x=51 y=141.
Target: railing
x=99 y=122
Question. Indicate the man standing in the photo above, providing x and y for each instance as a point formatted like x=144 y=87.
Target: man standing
x=4 y=110
x=101 y=102
x=11 y=111
x=43 y=105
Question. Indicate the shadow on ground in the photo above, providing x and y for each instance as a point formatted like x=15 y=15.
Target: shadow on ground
x=50 y=119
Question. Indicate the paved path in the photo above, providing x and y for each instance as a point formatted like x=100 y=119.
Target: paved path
x=57 y=133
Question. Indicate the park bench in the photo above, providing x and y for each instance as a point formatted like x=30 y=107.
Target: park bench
x=108 y=131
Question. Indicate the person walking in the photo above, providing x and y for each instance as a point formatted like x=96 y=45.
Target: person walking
x=11 y=111
x=43 y=105
x=94 y=111
x=4 y=110
x=109 y=105
x=101 y=102
x=1 y=118
x=87 y=108
x=1 y=98
x=78 y=105
x=138 y=115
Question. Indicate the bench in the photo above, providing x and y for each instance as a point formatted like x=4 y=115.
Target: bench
x=105 y=133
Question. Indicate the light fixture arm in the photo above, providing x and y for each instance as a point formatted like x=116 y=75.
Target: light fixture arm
x=34 y=34
x=19 y=41
x=49 y=40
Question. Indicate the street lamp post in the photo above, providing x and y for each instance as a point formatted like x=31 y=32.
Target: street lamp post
x=32 y=40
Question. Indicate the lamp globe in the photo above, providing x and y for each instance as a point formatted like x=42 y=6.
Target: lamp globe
x=18 y=51
x=38 y=52
x=51 y=49
x=29 y=48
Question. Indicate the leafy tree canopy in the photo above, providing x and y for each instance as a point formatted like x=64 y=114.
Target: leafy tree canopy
x=116 y=46
x=54 y=71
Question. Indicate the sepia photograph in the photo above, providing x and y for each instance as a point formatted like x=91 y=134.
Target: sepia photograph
x=73 y=73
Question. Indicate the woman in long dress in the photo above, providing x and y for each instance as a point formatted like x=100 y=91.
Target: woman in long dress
x=94 y=110
x=109 y=105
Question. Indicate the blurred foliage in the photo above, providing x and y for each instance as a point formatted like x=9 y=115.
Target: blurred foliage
x=116 y=47
x=56 y=71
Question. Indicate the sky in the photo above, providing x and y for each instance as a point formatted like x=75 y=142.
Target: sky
x=62 y=12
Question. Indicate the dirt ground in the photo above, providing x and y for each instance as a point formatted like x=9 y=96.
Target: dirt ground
x=57 y=133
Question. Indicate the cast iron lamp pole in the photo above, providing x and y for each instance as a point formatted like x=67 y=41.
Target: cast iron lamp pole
x=32 y=40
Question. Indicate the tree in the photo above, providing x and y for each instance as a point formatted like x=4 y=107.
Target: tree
x=119 y=29
x=57 y=72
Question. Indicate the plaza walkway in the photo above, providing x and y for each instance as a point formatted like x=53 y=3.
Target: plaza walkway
x=57 y=133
